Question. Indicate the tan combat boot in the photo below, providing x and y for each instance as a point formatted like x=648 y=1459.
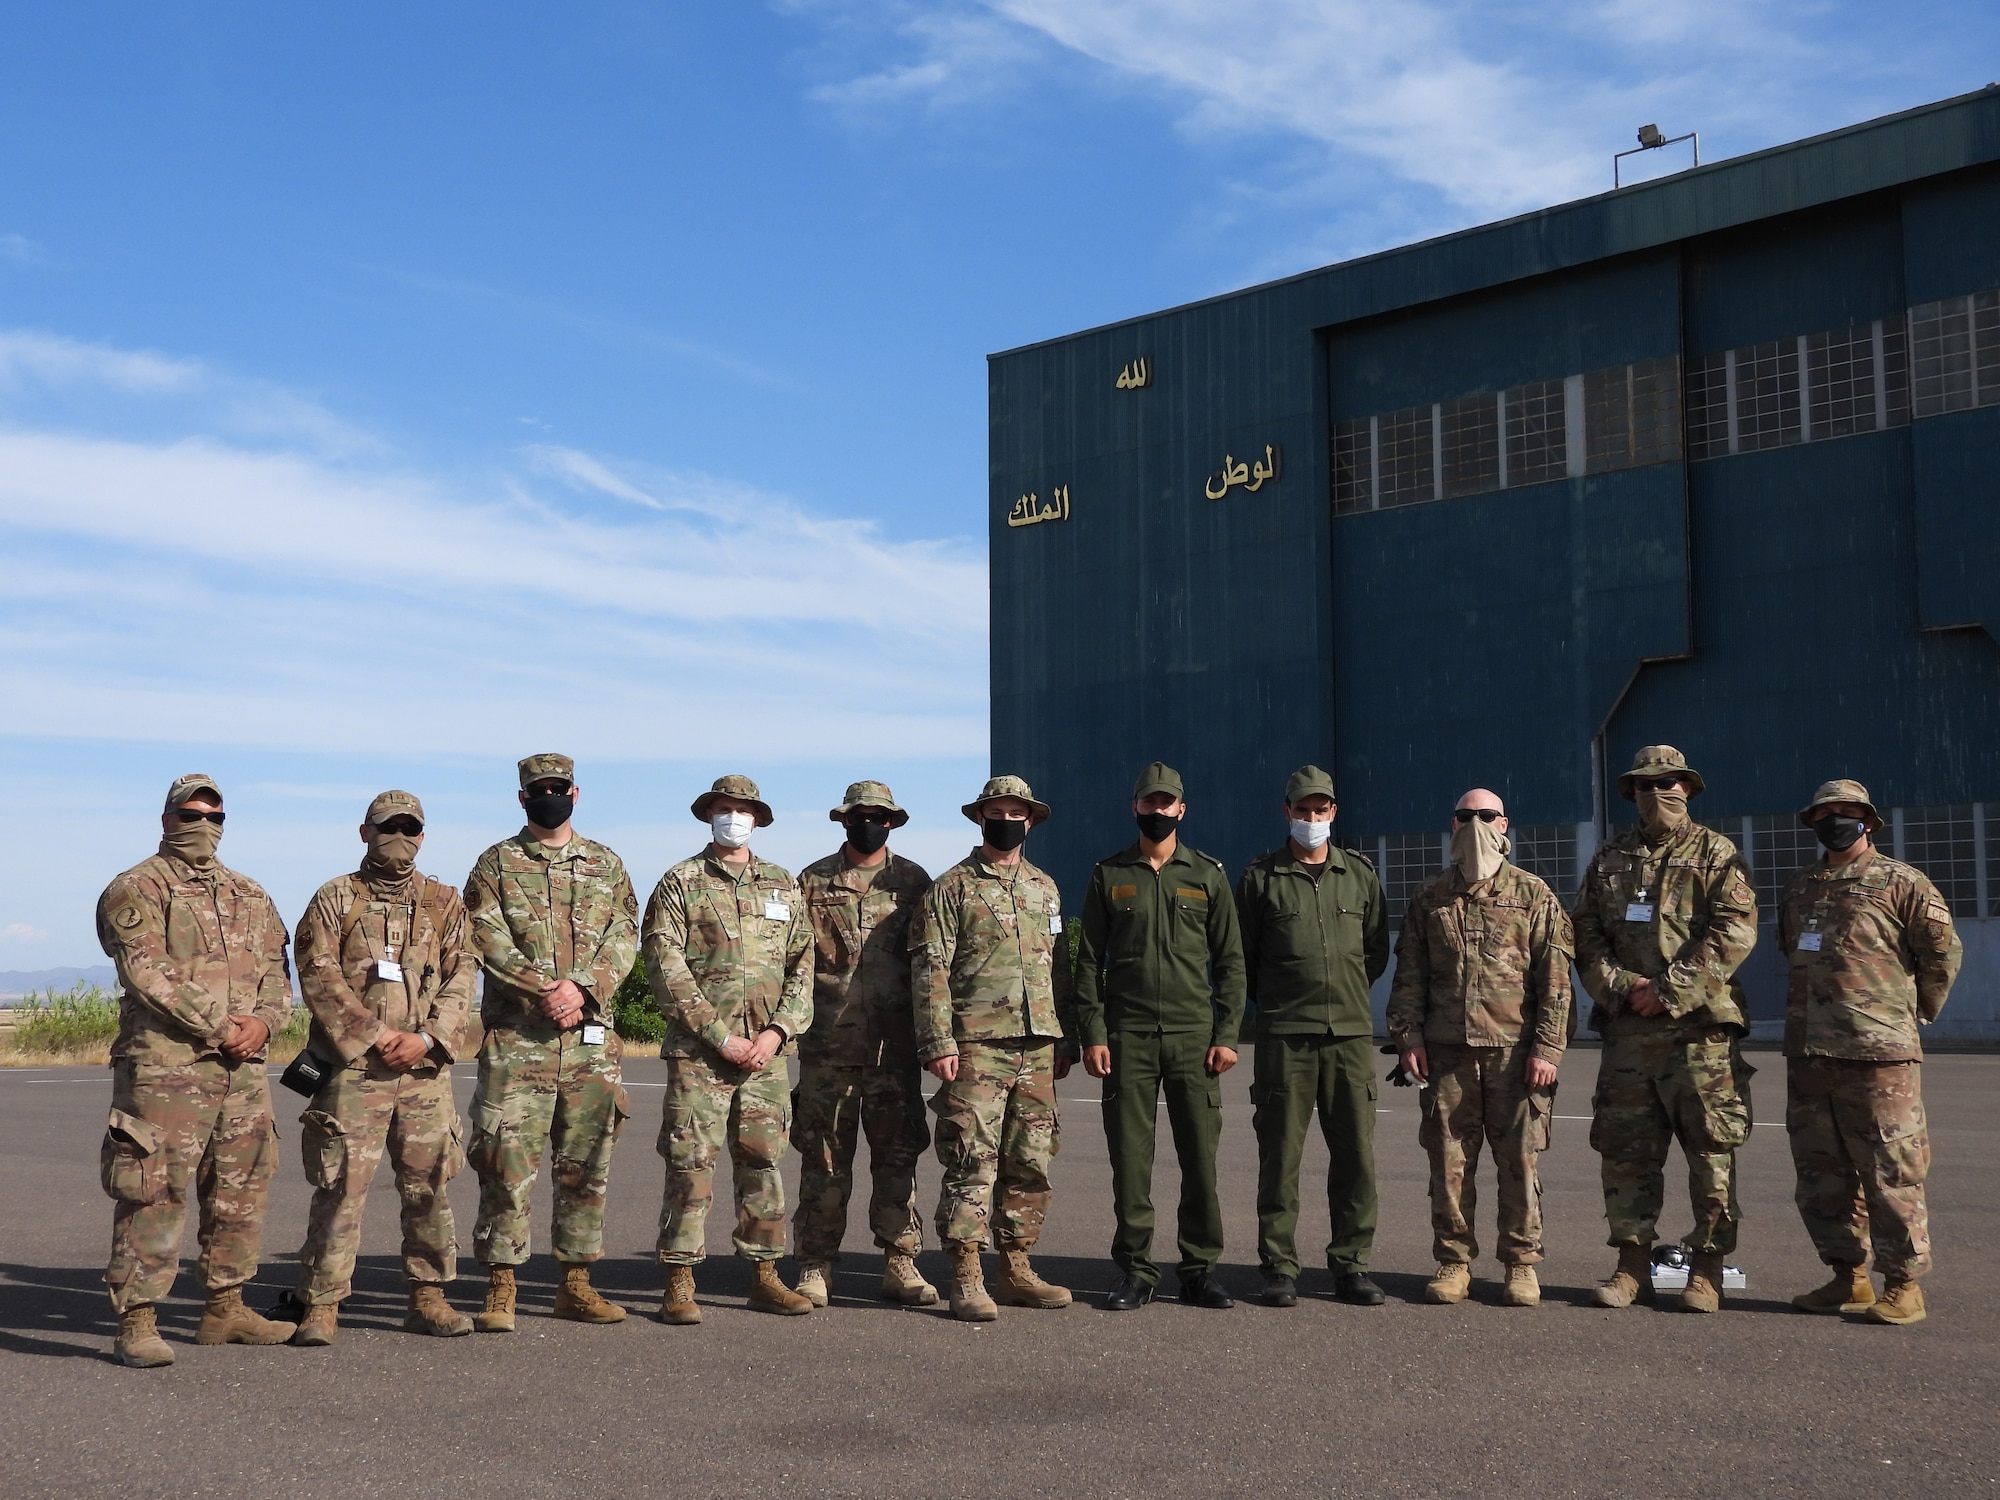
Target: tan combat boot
x=1703 y=1293
x=578 y=1301
x=139 y=1343
x=498 y=1314
x=902 y=1282
x=319 y=1326
x=1902 y=1302
x=1019 y=1286
x=678 y=1305
x=1453 y=1283
x=1631 y=1282
x=768 y=1294
x=227 y=1321
x=812 y=1281
x=1523 y=1288
x=430 y=1313
x=1849 y=1291
x=969 y=1302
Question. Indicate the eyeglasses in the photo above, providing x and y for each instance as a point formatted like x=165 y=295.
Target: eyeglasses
x=1656 y=783
x=868 y=815
x=1484 y=814
x=403 y=823
x=196 y=815
x=549 y=788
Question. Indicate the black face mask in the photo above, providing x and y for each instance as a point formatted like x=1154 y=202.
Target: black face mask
x=1838 y=833
x=1155 y=825
x=550 y=809
x=865 y=837
x=1004 y=833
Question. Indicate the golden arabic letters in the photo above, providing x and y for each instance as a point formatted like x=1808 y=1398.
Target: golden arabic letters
x=1247 y=477
x=1030 y=511
x=1135 y=376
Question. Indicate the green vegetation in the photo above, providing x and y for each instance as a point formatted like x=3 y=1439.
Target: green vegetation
x=81 y=1017
x=633 y=1012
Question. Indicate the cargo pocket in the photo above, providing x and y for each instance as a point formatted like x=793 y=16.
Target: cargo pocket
x=323 y=1148
x=482 y=1150
x=133 y=1164
x=1721 y=1080
x=1541 y=1120
x=454 y=1151
x=621 y=1111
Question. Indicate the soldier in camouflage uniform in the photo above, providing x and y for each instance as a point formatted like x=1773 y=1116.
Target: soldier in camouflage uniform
x=200 y=952
x=1480 y=1010
x=384 y=969
x=1665 y=917
x=554 y=924
x=994 y=1022
x=858 y=1069
x=729 y=957
x=1873 y=955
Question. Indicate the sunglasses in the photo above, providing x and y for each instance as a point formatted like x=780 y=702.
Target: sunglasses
x=1656 y=783
x=403 y=823
x=868 y=815
x=196 y=815
x=1484 y=814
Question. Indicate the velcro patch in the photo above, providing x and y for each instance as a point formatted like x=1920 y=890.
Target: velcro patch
x=1190 y=893
x=1124 y=892
x=128 y=917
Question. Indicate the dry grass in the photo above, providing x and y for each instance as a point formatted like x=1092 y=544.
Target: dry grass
x=76 y=1027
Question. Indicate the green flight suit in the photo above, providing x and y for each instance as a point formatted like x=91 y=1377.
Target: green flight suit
x=1160 y=981
x=1315 y=937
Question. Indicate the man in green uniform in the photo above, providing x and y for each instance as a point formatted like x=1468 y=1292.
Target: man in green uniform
x=1873 y=955
x=555 y=924
x=1159 y=1002
x=1665 y=917
x=1315 y=937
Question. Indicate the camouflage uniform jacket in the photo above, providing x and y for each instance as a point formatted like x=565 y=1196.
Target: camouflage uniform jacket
x=984 y=960
x=193 y=947
x=1703 y=924
x=1872 y=951
x=728 y=954
x=423 y=930
x=861 y=964
x=1481 y=964
x=539 y=914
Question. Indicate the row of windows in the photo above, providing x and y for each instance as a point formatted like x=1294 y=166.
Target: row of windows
x=1941 y=356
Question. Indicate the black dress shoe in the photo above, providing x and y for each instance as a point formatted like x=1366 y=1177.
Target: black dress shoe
x=1279 y=1291
x=1129 y=1295
x=1358 y=1288
x=1201 y=1291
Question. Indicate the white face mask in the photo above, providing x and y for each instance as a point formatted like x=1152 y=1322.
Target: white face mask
x=1310 y=835
x=732 y=829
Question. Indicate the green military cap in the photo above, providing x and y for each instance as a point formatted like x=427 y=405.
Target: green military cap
x=546 y=767
x=1007 y=786
x=1308 y=781
x=189 y=786
x=1841 y=791
x=1158 y=777
x=1660 y=760
x=870 y=794
x=740 y=787
x=390 y=804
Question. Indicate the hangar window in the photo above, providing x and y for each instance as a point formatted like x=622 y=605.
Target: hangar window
x=1405 y=861
x=1536 y=420
x=1857 y=380
x=1765 y=378
x=1632 y=415
x=1403 y=451
x=1469 y=444
x=1939 y=841
x=1548 y=850
x=1353 y=466
x=1778 y=848
x=1955 y=353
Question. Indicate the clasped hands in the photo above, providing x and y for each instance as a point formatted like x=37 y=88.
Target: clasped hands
x=752 y=1054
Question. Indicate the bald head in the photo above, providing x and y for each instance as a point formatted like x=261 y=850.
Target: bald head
x=1480 y=800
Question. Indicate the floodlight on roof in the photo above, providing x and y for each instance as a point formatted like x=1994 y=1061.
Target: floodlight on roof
x=1650 y=139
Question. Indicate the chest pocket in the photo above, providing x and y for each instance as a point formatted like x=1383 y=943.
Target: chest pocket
x=836 y=931
x=185 y=935
x=1192 y=904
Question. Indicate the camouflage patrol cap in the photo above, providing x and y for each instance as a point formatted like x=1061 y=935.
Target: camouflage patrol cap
x=741 y=787
x=1660 y=760
x=1308 y=781
x=1841 y=791
x=189 y=786
x=1158 y=777
x=870 y=794
x=1007 y=786
x=390 y=804
x=547 y=766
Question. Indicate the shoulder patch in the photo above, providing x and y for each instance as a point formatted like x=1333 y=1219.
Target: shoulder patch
x=129 y=917
x=1347 y=849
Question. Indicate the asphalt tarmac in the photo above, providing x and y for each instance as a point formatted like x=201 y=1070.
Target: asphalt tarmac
x=867 y=1400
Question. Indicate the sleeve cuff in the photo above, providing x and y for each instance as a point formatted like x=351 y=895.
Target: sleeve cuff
x=715 y=1034
x=1549 y=1053
x=936 y=1050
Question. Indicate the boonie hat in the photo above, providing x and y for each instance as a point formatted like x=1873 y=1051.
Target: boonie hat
x=546 y=765
x=1308 y=781
x=1660 y=760
x=1841 y=791
x=1158 y=777
x=389 y=804
x=870 y=794
x=187 y=786
x=740 y=787
x=1007 y=786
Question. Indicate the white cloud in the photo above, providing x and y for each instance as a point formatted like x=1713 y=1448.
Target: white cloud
x=21 y=932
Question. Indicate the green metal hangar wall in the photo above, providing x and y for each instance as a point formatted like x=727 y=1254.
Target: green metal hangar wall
x=1713 y=460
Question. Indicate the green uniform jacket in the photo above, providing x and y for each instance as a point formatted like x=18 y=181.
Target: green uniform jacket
x=728 y=954
x=539 y=914
x=1160 y=951
x=1311 y=948
x=861 y=959
x=984 y=965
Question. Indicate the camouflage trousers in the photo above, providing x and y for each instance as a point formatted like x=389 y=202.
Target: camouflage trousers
x=1862 y=1149
x=1480 y=1096
x=358 y=1114
x=997 y=1132
x=207 y=1123
x=712 y=1105
x=541 y=1086
x=1658 y=1083
x=836 y=1106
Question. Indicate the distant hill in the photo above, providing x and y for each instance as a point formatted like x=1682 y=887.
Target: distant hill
x=14 y=983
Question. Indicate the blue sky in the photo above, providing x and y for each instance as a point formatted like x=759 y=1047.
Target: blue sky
x=390 y=391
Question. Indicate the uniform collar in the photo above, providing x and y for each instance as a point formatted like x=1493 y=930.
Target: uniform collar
x=848 y=876
x=1133 y=855
x=1852 y=870
x=714 y=862
x=549 y=854
x=1290 y=862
